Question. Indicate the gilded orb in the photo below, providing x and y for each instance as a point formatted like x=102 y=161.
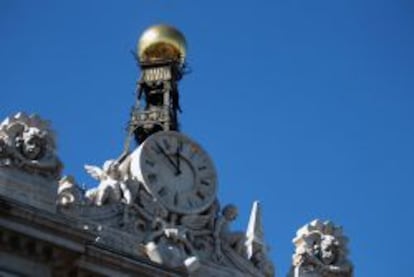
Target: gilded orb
x=161 y=42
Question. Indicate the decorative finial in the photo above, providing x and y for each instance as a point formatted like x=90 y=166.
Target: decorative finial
x=254 y=233
x=160 y=43
x=255 y=245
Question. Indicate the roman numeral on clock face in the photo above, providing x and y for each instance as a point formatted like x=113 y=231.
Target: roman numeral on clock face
x=152 y=178
x=163 y=191
x=150 y=163
x=200 y=195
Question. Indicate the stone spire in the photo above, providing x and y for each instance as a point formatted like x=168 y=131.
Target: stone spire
x=256 y=247
x=254 y=233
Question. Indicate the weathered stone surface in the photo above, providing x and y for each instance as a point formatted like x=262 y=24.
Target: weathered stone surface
x=29 y=166
x=119 y=216
x=37 y=242
x=121 y=206
x=321 y=251
x=148 y=229
x=28 y=143
x=28 y=188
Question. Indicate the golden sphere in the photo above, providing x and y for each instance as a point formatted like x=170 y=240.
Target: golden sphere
x=161 y=42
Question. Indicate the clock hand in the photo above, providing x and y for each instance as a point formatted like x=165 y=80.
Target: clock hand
x=167 y=156
x=177 y=157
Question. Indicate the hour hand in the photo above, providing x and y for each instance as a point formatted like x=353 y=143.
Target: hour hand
x=167 y=156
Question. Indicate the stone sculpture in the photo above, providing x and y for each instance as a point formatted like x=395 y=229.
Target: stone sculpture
x=121 y=204
x=321 y=251
x=255 y=244
x=222 y=233
x=158 y=201
x=27 y=143
x=68 y=192
x=170 y=244
x=112 y=187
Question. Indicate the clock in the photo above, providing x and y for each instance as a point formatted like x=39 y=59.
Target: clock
x=176 y=171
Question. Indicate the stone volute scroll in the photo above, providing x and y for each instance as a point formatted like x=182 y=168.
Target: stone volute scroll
x=321 y=251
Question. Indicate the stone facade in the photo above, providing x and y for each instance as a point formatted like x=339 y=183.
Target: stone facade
x=50 y=227
x=53 y=227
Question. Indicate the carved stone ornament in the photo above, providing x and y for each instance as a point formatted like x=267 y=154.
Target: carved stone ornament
x=321 y=251
x=113 y=186
x=27 y=143
x=126 y=216
x=68 y=192
x=176 y=221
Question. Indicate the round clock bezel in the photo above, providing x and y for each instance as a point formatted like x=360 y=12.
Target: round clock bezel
x=204 y=188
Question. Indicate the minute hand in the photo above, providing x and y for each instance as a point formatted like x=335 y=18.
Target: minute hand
x=167 y=156
x=177 y=157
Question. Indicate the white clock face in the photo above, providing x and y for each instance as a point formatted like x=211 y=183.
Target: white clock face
x=176 y=171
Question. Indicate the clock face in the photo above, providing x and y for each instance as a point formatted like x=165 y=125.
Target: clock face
x=176 y=171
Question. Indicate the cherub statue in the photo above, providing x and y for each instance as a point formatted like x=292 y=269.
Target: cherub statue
x=169 y=243
x=32 y=143
x=321 y=251
x=28 y=143
x=327 y=251
x=113 y=186
x=223 y=235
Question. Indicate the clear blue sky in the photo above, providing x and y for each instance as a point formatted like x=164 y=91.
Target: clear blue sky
x=304 y=105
